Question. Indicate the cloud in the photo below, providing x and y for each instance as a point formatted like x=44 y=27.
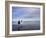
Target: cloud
x=26 y=12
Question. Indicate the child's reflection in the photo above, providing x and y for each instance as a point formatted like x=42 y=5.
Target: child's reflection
x=19 y=22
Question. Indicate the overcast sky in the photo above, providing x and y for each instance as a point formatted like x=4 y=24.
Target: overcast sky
x=25 y=12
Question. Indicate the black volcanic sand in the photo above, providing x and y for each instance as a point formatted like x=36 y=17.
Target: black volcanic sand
x=25 y=27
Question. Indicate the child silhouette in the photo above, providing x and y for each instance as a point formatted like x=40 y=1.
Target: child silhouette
x=19 y=22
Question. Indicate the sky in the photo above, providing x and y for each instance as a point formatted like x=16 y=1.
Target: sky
x=26 y=13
